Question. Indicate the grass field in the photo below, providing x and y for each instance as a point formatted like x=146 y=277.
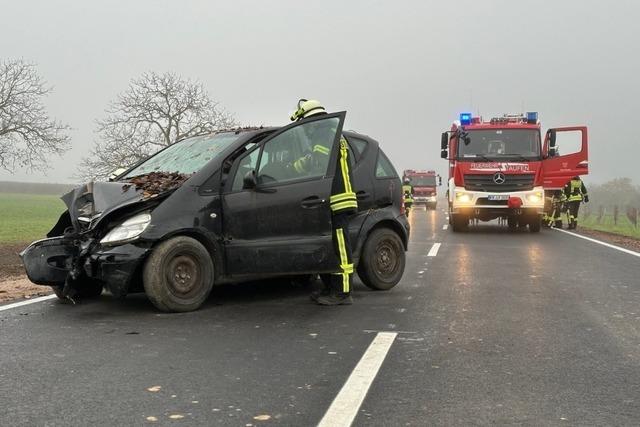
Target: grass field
x=27 y=217
x=623 y=227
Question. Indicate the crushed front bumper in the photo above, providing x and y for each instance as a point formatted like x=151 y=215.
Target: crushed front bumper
x=53 y=261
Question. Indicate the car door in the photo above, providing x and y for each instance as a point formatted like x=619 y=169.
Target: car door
x=559 y=168
x=281 y=223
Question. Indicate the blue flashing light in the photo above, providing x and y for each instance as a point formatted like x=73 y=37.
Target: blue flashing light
x=532 y=117
x=465 y=118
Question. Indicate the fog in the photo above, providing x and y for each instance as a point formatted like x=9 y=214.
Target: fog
x=402 y=70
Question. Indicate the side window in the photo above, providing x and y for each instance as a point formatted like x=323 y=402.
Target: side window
x=358 y=146
x=384 y=168
x=247 y=163
x=299 y=153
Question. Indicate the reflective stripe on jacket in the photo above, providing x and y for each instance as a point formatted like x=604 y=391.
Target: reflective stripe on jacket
x=575 y=190
x=343 y=198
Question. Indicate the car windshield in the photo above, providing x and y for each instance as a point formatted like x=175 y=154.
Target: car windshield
x=423 y=181
x=187 y=156
x=500 y=143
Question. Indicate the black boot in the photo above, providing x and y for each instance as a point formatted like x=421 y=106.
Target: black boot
x=335 y=299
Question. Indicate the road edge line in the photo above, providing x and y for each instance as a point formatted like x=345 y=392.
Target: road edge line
x=345 y=406
x=26 y=302
x=609 y=245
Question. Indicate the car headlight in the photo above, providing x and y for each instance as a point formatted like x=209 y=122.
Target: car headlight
x=128 y=230
x=462 y=197
x=535 y=198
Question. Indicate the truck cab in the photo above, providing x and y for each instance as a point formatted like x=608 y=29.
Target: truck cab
x=502 y=168
x=424 y=185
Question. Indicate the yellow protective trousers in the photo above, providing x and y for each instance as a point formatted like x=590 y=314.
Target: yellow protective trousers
x=342 y=279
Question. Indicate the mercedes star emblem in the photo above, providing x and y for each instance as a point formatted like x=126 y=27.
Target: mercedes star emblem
x=499 y=178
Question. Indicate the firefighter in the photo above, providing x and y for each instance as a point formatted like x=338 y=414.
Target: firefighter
x=407 y=190
x=343 y=203
x=558 y=200
x=576 y=193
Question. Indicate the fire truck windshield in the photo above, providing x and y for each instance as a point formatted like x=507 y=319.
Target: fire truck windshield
x=521 y=144
x=423 y=181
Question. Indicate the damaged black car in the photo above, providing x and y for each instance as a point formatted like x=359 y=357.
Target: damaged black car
x=226 y=207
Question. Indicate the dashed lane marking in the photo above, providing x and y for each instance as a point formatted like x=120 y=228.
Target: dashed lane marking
x=627 y=251
x=434 y=249
x=26 y=302
x=345 y=406
x=444 y=227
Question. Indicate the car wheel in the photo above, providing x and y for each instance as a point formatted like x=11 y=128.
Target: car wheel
x=383 y=260
x=178 y=275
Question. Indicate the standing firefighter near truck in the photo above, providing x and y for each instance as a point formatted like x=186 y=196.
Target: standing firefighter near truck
x=575 y=193
x=343 y=203
x=407 y=190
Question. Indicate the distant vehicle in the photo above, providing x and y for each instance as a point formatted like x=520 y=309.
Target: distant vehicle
x=227 y=207
x=424 y=185
x=501 y=169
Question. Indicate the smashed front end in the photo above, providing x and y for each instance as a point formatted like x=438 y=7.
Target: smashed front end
x=96 y=241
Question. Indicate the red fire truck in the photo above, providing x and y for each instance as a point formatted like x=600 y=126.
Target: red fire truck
x=424 y=186
x=501 y=168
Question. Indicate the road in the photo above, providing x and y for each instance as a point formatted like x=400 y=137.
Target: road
x=492 y=327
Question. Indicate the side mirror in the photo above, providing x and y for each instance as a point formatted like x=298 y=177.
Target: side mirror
x=552 y=152
x=444 y=141
x=444 y=154
x=116 y=173
x=249 y=182
x=552 y=138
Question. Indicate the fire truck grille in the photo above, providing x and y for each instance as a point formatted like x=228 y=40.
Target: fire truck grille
x=486 y=183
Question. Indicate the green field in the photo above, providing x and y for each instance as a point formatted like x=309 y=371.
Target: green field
x=623 y=227
x=27 y=217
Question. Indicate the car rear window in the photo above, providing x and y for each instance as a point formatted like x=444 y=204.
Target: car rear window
x=357 y=146
x=384 y=167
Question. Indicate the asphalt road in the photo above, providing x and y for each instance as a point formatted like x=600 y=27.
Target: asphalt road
x=493 y=328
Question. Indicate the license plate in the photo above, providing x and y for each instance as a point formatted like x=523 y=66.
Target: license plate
x=498 y=197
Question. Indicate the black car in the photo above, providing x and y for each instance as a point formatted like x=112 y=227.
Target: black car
x=226 y=207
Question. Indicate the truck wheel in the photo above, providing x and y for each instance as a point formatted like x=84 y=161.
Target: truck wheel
x=534 y=225
x=512 y=222
x=459 y=223
x=178 y=276
x=382 y=264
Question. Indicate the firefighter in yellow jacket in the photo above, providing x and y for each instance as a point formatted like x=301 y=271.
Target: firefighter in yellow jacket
x=343 y=203
x=576 y=193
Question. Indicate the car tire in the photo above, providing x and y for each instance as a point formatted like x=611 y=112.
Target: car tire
x=383 y=259
x=178 y=275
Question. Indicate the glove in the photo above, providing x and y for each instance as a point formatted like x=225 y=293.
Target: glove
x=586 y=198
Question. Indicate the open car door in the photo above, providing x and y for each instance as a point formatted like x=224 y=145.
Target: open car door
x=559 y=168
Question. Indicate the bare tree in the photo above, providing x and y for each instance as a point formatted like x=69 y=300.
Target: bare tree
x=28 y=136
x=157 y=110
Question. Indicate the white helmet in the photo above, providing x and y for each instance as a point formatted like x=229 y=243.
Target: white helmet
x=307 y=108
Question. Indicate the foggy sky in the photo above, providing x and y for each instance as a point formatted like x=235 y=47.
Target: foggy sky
x=402 y=70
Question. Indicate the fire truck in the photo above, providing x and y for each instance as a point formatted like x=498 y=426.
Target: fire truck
x=502 y=168
x=424 y=186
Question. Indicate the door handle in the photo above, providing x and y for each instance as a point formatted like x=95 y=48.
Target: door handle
x=362 y=195
x=312 y=202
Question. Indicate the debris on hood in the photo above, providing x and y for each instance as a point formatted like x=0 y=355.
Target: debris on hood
x=155 y=183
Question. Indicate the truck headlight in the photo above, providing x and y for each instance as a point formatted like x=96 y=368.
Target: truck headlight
x=535 y=198
x=462 y=197
x=128 y=230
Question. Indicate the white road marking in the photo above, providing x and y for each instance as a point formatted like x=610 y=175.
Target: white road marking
x=627 y=251
x=434 y=249
x=444 y=227
x=345 y=406
x=26 y=302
